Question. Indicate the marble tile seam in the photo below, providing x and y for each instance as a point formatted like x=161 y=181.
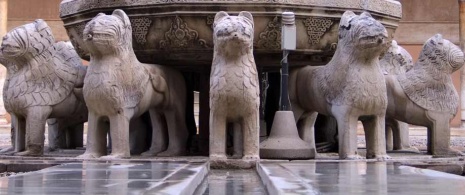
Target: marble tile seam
x=310 y=189
x=166 y=177
x=276 y=185
x=186 y=186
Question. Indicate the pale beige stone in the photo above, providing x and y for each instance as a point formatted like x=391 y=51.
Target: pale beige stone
x=396 y=61
x=234 y=87
x=118 y=88
x=43 y=82
x=426 y=96
x=349 y=88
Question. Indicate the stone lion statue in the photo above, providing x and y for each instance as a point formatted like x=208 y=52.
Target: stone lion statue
x=426 y=96
x=234 y=87
x=349 y=88
x=397 y=61
x=118 y=88
x=43 y=81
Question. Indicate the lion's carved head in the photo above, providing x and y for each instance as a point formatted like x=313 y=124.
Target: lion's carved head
x=27 y=42
x=441 y=55
x=106 y=34
x=396 y=60
x=361 y=34
x=233 y=34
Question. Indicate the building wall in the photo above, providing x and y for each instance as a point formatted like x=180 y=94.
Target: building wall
x=424 y=18
x=25 y=11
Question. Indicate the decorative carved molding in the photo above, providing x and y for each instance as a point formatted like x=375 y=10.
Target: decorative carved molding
x=180 y=36
x=210 y=21
x=270 y=38
x=391 y=7
x=140 y=28
x=316 y=28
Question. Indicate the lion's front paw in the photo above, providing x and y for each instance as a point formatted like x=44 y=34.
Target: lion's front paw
x=172 y=152
x=381 y=157
x=353 y=157
x=88 y=156
x=29 y=153
x=251 y=158
x=115 y=156
x=151 y=152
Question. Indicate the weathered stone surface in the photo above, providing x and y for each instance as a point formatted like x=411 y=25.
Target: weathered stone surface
x=119 y=88
x=284 y=141
x=164 y=35
x=234 y=87
x=44 y=80
x=426 y=96
x=350 y=87
x=396 y=61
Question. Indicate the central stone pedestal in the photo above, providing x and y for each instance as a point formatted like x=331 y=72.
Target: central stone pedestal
x=284 y=141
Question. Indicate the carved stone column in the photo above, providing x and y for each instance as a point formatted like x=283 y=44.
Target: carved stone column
x=462 y=46
x=3 y=31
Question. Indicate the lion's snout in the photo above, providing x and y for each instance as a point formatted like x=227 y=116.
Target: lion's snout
x=380 y=40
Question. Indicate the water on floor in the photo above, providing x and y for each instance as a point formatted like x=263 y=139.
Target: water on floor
x=356 y=178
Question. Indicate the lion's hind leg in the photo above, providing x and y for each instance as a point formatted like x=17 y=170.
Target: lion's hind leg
x=177 y=133
x=439 y=135
x=159 y=134
x=306 y=127
x=35 y=131
x=374 y=127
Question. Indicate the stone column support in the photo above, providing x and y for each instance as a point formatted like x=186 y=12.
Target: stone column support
x=462 y=46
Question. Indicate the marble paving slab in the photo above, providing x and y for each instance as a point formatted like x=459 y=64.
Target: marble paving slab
x=355 y=177
x=92 y=177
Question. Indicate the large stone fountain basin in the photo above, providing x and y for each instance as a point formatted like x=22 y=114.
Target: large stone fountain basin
x=179 y=32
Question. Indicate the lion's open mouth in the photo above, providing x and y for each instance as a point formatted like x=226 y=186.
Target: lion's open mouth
x=9 y=49
x=372 y=41
x=456 y=58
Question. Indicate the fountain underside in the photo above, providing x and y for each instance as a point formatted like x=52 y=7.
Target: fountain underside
x=179 y=33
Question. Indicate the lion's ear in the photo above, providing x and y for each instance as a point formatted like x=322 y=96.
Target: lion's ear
x=346 y=18
x=246 y=14
x=366 y=14
x=220 y=15
x=40 y=24
x=122 y=15
x=438 y=38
